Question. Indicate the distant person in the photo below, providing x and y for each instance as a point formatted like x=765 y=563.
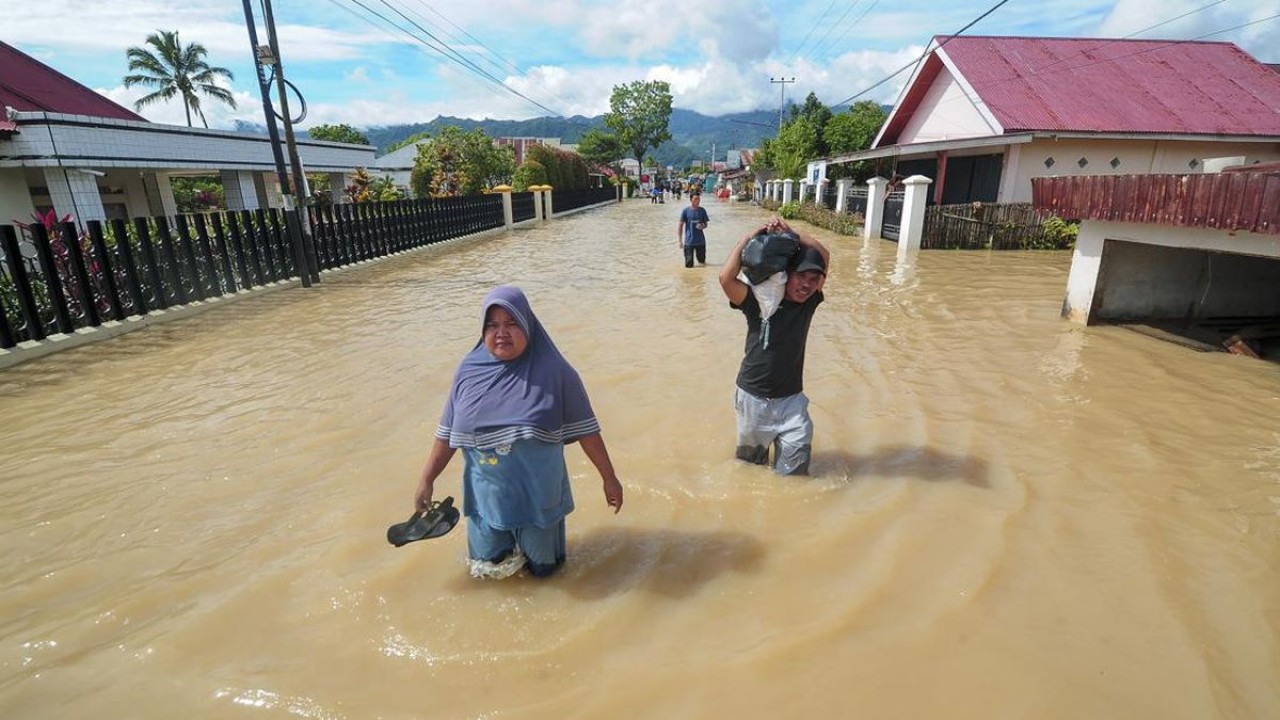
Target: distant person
x=772 y=409
x=514 y=405
x=689 y=231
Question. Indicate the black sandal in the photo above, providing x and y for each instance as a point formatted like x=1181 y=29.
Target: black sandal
x=434 y=523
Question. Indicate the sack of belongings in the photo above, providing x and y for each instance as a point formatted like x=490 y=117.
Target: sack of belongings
x=766 y=254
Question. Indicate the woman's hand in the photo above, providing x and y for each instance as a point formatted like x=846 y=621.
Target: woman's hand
x=439 y=457
x=422 y=499
x=598 y=454
x=613 y=494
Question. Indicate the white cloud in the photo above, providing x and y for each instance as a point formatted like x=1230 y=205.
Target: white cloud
x=220 y=115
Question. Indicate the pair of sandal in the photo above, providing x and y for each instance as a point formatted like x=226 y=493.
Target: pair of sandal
x=434 y=523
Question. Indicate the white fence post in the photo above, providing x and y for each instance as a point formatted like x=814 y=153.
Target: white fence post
x=876 y=188
x=508 y=217
x=913 y=205
x=843 y=186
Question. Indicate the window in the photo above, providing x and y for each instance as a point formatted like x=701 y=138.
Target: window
x=1115 y=163
x=1082 y=162
x=1048 y=162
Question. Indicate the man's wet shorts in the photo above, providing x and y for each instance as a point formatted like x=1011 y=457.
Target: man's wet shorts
x=782 y=424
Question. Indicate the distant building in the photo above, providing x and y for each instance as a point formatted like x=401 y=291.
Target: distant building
x=519 y=145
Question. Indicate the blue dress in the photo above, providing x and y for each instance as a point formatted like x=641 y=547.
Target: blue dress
x=524 y=484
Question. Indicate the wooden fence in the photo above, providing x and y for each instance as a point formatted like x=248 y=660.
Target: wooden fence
x=974 y=226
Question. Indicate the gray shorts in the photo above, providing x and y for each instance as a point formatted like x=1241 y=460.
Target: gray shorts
x=780 y=423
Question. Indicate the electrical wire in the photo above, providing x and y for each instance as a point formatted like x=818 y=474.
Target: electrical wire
x=923 y=55
x=849 y=27
x=444 y=50
x=816 y=25
x=1130 y=35
x=489 y=55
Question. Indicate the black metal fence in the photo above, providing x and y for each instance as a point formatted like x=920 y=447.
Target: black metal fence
x=891 y=227
x=566 y=200
x=56 y=278
x=522 y=207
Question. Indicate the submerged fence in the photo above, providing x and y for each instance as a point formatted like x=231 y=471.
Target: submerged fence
x=56 y=278
x=1004 y=226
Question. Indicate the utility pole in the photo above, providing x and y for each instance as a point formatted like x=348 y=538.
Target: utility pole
x=782 y=103
x=300 y=190
x=299 y=254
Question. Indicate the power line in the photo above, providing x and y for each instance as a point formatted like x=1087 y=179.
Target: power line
x=490 y=55
x=849 y=27
x=923 y=55
x=1130 y=35
x=446 y=51
x=815 y=27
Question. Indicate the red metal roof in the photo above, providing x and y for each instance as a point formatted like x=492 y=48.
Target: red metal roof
x=1226 y=201
x=1104 y=85
x=28 y=85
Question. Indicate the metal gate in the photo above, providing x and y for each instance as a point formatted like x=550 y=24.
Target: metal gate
x=892 y=224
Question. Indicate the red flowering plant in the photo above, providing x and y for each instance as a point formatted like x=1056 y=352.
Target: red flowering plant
x=62 y=263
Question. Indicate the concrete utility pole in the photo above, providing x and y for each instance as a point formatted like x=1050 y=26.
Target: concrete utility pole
x=782 y=103
x=300 y=190
x=299 y=253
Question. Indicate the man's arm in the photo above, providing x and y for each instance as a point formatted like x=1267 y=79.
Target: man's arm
x=734 y=289
x=680 y=230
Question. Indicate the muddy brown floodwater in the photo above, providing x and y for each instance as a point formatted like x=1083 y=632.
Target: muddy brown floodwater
x=1010 y=516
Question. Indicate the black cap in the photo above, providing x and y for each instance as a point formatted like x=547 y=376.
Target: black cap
x=810 y=259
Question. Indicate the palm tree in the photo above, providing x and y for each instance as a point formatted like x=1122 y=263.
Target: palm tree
x=174 y=70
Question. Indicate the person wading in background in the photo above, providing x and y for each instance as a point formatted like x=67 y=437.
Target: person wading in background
x=689 y=235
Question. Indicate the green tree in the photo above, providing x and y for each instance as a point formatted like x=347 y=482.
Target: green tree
x=853 y=131
x=460 y=163
x=639 y=114
x=818 y=116
x=601 y=148
x=794 y=147
x=337 y=133
x=175 y=70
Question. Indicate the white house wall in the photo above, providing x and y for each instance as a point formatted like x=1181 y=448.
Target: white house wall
x=946 y=113
x=15 y=201
x=54 y=139
x=1151 y=271
x=1133 y=157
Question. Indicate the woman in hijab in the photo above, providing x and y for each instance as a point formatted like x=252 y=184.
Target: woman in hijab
x=515 y=403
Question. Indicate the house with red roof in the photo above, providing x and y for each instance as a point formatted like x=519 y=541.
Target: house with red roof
x=66 y=148
x=982 y=116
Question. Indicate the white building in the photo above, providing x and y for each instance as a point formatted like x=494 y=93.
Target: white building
x=982 y=116
x=66 y=148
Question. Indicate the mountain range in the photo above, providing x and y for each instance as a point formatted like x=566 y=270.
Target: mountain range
x=693 y=135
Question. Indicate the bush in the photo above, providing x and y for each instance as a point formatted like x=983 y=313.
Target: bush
x=1055 y=234
x=530 y=172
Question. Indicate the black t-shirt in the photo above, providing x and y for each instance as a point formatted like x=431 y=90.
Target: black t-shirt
x=778 y=370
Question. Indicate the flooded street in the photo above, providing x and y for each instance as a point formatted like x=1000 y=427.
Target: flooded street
x=1010 y=516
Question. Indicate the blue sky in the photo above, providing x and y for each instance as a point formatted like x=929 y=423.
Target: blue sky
x=565 y=56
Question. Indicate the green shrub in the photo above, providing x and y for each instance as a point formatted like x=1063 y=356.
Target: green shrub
x=1055 y=234
x=530 y=172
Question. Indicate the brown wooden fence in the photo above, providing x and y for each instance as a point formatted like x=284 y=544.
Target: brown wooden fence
x=977 y=226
